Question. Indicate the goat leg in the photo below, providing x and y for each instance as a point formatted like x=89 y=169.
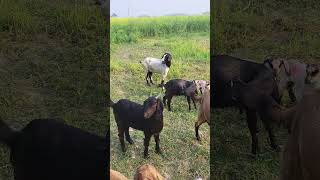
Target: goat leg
x=169 y=103
x=150 y=77
x=252 y=124
x=273 y=143
x=128 y=138
x=121 y=138
x=189 y=102
x=164 y=99
x=194 y=103
x=147 y=79
x=162 y=83
x=147 y=137
x=196 y=126
x=157 y=140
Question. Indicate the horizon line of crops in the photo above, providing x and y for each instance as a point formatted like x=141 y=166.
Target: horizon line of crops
x=128 y=30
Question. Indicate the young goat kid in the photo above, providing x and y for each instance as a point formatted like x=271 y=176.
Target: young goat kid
x=147 y=118
x=202 y=85
x=51 y=150
x=154 y=65
x=180 y=87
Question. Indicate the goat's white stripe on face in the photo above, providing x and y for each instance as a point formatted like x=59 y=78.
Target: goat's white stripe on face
x=164 y=56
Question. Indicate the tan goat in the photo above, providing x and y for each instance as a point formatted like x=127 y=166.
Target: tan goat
x=204 y=111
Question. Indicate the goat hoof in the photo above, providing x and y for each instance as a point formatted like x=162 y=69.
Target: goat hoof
x=198 y=138
x=146 y=155
x=130 y=141
x=158 y=151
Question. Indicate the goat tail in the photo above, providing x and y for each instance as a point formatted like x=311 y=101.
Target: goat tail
x=7 y=135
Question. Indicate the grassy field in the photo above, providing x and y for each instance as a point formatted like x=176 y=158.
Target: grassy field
x=183 y=157
x=50 y=54
x=256 y=30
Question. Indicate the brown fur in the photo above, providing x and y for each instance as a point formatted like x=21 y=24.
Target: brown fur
x=301 y=158
x=204 y=111
x=115 y=175
x=147 y=172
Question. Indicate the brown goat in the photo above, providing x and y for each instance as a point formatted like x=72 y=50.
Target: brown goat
x=147 y=172
x=115 y=175
x=204 y=111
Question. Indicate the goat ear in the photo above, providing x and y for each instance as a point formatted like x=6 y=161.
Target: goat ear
x=150 y=111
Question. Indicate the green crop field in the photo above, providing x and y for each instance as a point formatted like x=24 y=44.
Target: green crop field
x=256 y=30
x=50 y=54
x=187 y=39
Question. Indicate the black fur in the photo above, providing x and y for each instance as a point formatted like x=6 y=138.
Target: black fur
x=225 y=68
x=130 y=114
x=51 y=150
x=180 y=87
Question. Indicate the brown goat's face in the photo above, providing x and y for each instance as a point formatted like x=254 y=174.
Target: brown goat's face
x=150 y=107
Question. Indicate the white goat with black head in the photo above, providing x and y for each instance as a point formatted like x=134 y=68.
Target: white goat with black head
x=155 y=65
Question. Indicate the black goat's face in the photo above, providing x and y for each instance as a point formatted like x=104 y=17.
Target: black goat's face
x=150 y=106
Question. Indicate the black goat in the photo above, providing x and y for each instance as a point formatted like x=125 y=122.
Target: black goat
x=147 y=118
x=225 y=68
x=51 y=150
x=180 y=87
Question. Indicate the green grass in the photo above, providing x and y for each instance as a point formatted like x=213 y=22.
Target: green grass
x=256 y=30
x=50 y=55
x=183 y=157
x=125 y=30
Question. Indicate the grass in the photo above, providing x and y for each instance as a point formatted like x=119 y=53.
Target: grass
x=125 y=30
x=256 y=30
x=183 y=157
x=50 y=55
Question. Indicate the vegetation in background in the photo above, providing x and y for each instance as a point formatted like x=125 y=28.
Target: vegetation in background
x=183 y=157
x=256 y=30
x=50 y=55
x=131 y=29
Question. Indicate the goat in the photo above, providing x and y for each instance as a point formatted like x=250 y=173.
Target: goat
x=204 y=111
x=147 y=118
x=51 y=150
x=147 y=171
x=180 y=87
x=201 y=85
x=154 y=65
x=224 y=69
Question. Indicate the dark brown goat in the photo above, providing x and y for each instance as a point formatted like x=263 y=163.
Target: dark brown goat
x=224 y=69
x=180 y=87
x=51 y=150
x=147 y=118
x=253 y=98
x=300 y=158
